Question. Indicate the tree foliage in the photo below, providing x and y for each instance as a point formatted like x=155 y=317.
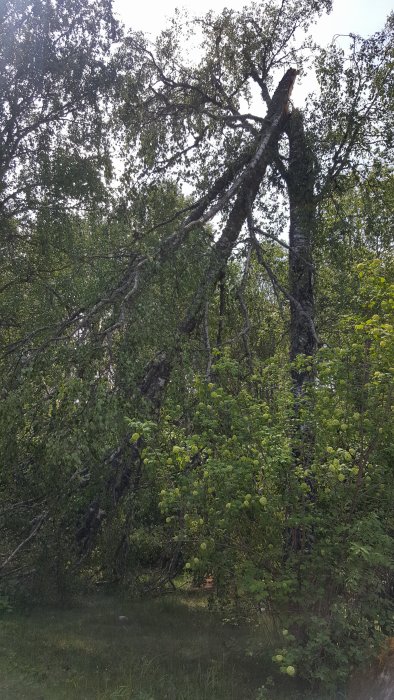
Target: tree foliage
x=55 y=71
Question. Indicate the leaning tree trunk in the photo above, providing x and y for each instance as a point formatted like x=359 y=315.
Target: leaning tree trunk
x=126 y=461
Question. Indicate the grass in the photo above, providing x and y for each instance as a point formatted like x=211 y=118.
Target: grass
x=169 y=648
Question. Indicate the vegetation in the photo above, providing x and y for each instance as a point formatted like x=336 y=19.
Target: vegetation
x=188 y=391
x=161 y=649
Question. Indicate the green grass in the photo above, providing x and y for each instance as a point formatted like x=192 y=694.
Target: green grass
x=170 y=647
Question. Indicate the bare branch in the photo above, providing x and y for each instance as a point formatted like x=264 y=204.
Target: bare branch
x=38 y=522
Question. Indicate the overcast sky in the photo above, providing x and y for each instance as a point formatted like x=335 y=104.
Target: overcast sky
x=362 y=17
x=358 y=16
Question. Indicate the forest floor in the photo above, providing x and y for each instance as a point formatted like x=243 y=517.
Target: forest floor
x=166 y=648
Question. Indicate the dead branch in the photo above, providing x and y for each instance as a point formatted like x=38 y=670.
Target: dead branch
x=38 y=522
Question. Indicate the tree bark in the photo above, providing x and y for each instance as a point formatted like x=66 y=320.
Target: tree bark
x=300 y=184
x=303 y=339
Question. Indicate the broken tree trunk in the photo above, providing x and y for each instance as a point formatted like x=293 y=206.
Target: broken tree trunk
x=244 y=188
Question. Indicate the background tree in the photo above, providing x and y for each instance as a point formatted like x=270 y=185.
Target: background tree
x=55 y=67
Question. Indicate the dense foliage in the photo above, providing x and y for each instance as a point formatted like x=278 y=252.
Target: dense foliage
x=185 y=390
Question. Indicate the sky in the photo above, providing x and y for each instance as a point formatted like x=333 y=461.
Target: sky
x=358 y=16
x=363 y=17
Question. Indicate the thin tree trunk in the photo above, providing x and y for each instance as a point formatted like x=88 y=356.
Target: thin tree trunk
x=222 y=309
